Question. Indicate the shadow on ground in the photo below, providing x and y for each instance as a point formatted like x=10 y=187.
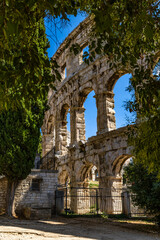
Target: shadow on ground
x=92 y=228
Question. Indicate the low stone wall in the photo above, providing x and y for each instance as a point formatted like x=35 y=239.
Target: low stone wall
x=35 y=195
x=3 y=189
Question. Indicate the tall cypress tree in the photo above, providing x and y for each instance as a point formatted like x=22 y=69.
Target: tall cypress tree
x=20 y=123
x=19 y=139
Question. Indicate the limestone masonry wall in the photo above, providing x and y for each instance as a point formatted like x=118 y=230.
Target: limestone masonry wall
x=35 y=195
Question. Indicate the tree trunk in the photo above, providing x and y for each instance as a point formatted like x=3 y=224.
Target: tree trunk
x=11 y=187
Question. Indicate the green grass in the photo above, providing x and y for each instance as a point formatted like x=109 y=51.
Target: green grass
x=107 y=216
x=93 y=184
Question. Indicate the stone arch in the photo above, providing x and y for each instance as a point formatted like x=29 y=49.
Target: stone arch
x=62 y=135
x=84 y=172
x=114 y=78
x=64 y=111
x=109 y=98
x=83 y=95
x=85 y=89
x=118 y=163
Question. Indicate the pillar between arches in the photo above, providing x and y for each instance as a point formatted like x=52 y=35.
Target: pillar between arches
x=80 y=197
x=77 y=122
x=111 y=190
x=105 y=112
x=61 y=136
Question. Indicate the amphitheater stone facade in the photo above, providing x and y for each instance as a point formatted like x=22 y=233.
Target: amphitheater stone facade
x=108 y=150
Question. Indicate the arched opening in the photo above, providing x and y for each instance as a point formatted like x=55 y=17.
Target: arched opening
x=93 y=177
x=118 y=168
x=119 y=163
x=89 y=176
x=90 y=187
x=121 y=95
x=65 y=117
x=90 y=114
x=68 y=128
x=126 y=163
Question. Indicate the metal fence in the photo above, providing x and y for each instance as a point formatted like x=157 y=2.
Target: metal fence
x=135 y=211
x=95 y=201
x=48 y=161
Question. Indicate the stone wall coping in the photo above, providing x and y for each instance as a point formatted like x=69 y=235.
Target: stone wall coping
x=109 y=177
x=30 y=176
x=112 y=133
x=43 y=171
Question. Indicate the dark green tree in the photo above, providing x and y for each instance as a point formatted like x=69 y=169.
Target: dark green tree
x=25 y=75
x=145 y=135
x=145 y=187
x=19 y=138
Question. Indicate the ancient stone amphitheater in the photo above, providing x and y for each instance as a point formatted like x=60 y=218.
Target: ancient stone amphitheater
x=71 y=154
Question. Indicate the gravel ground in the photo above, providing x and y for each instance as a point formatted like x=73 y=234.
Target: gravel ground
x=69 y=229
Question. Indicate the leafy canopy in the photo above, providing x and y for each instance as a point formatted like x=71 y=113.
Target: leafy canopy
x=145 y=188
x=127 y=28
x=145 y=136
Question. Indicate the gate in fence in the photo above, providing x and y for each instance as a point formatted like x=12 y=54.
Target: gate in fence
x=95 y=201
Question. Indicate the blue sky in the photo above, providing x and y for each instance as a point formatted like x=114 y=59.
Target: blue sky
x=56 y=37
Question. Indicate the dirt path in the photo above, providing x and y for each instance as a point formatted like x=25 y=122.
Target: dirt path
x=68 y=229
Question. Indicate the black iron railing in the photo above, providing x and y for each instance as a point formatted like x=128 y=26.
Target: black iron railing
x=95 y=201
x=48 y=161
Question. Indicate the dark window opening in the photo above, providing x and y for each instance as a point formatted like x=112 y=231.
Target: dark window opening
x=35 y=185
x=64 y=71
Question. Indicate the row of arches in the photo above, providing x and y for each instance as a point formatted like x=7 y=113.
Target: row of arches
x=87 y=121
x=89 y=174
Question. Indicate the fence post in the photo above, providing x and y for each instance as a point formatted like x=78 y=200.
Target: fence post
x=47 y=161
x=129 y=204
x=56 y=201
x=126 y=203
x=97 y=201
x=66 y=199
